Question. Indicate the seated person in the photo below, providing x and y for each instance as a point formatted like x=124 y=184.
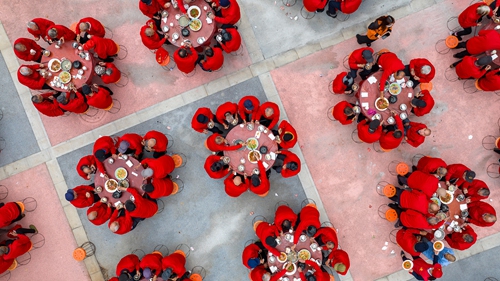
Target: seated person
x=259 y=182
x=47 y=105
x=89 y=26
x=104 y=147
x=490 y=82
x=415 y=200
x=121 y=222
x=458 y=174
x=248 y=106
x=285 y=219
x=267 y=234
x=344 y=112
x=151 y=9
x=82 y=196
x=215 y=167
x=326 y=237
x=342 y=84
x=86 y=167
x=19 y=245
x=314 y=6
x=361 y=58
x=287 y=135
x=390 y=64
x=108 y=72
x=150 y=36
x=174 y=265
x=217 y=143
x=287 y=163
x=422 y=270
x=129 y=265
x=227 y=114
x=151 y=265
x=155 y=142
x=418 y=180
x=462 y=240
x=157 y=167
x=100 y=212
x=141 y=207
x=416 y=133
x=444 y=257
x=130 y=144
x=392 y=137
x=472 y=67
x=253 y=255
x=58 y=32
x=422 y=103
x=28 y=50
x=475 y=190
x=412 y=241
x=201 y=120
x=186 y=58
x=414 y=219
x=268 y=114
x=105 y=48
x=308 y=222
x=420 y=70
x=346 y=7
x=38 y=28
x=481 y=214
x=76 y=104
x=235 y=184
x=339 y=261
x=29 y=76
x=157 y=188
x=432 y=165
x=227 y=14
x=100 y=99
x=230 y=40
x=213 y=60
x=369 y=132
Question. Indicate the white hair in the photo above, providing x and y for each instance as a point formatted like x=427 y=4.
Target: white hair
x=426 y=69
x=25 y=71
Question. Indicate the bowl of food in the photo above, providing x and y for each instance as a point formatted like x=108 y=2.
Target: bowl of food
x=77 y=64
x=438 y=246
x=436 y=200
x=98 y=189
x=54 y=65
x=282 y=257
x=267 y=157
x=121 y=173
x=252 y=143
x=226 y=160
x=124 y=183
x=183 y=21
x=254 y=156
x=304 y=254
x=261 y=128
x=394 y=89
x=66 y=65
x=290 y=268
x=195 y=25
x=175 y=36
x=194 y=12
x=65 y=77
x=111 y=185
x=381 y=104
x=409 y=83
x=314 y=246
x=447 y=199
x=407 y=265
x=250 y=126
x=272 y=258
x=288 y=237
x=117 y=194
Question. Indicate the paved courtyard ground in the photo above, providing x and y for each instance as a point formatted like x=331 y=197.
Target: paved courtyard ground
x=287 y=61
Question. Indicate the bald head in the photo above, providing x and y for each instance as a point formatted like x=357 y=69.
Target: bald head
x=37 y=98
x=426 y=132
x=84 y=26
x=92 y=215
x=237 y=180
x=450 y=257
x=25 y=71
x=114 y=226
x=433 y=208
x=441 y=192
x=489 y=218
x=52 y=33
x=149 y=32
x=32 y=25
x=269 y=112
x=151 y=142
x=20 y=47
x=441 y=171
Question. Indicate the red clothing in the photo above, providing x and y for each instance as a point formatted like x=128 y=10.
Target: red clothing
x=476 y=211
x=234 y=44
x=153 y=262
x=114 y=76
x=134 y=140
x=274 y=117
x=284 y=213
x=257 y=273
x=197 y=126
x=486 y=40
x=213 y=146
x=49 y=107
x=188 y=63
x=309 y=215
x=235 y=190
x=43 y=26
x=364 y=133
x=417 y=64
x=430 y=165
x=129 y=262
x=100 y=99
x=161 y=140
x=224 y=108
x=144 y=208
x=406 y=239
x=96 y=28
x=290 y=157
x=176 y=262
x=473 y=188
x=161 y=166
x=19 y=247
x=286 y=128
x=103 y=47
x=154 y=42
x=265 y=230
x=5 y=264
x=415 y=200
x=356 y=57
x=162 y=187
x=107 y=144
x=34 y=81
x=125 y=221
x=426 y=183
x=456 y=171
x=214 y=62
x=313 y=5
x=387 y=140
x=467 y=68
x=103 y=213
x=469 y=17
x=349 y=6
x=264 y=186
x=338 y=113
x=230 y=15
x=414 y=219
x=327 y=234
x=30 y=45
x=62 y=32
x=9 y=212
x=490 y=81
x=338 y=86
x=318 y=273
x=456 y=239
x=421 y=267
x=390 y=63
x=217 y=174
x=242 y=110
x=414 y=138
x=250 y=252
x=81 y=200
x=75 y=105
x=429 y=100
x=340 y=256
x=149 y=10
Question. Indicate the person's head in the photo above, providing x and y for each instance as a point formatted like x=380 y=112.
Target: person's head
x=149 y=32
x=489 y=218
x=271 y=241
x=147 y=2
x=32 y=26
x=87 y=169
x=182 y=53
x=114 y=226
x=253 y=263
x=62 y=99
x=219 y=139
x=150 y=143
x=224 y=3
x=226 y=36
x=425 y=132
x=292 y=166
x=397 y=134
x=347 y=80
x=20 y=47
x=433 y=220
x=167 y=273
x=248 y=105
x=441 y=171
x=84 y=26
x=311 y=278
x=469 y=176
x=146 y=272
x=217 y=166
x=3 y=250
x=441 y=192
x=339 y=267
x=468 y=238
x=70 y=195
x=209 y=52
x=348 y=111
x=330 y=245
x=52 y=33
x=129 y=205
x=237 y=180
x=37 y=98
x=311 y=231
x=123 y=147
x=229 y=117
x=433 y=207
x=386 y=21
x=148 y=187
x=440 y=216
x=373 y=126
x=367 y=55
x=400 y=74
x=86 y=90
x=92 y=215
x=100 y=154
x=147 y=173
x=450 y=257
x=421 y=247
x=286 y=225
x=484 y=61
x=483 y=192
x=255 y=180
x=426 y=69
x=268 y=112
x=437 y=271
x=202 y=119
x=125 y=276
x=108 y=71
x=99 y=70
x=483 y=10
x=418 y=103
x=25 y=71
x=287 y=136
x=266 y=276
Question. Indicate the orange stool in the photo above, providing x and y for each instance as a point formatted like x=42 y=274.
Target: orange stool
x=497 y=142
x=176 y=188
x=79 y=254
x=477 y=85
x=157 y=252
x=206 y=146
x=177 y=160
x=332 y=278
x=426 y=86
x=391 y=215
x=117 y=49
x=195 y=277
x=451 y=41
x=21 y=205
x=108 y=108
x=385 y=150
x=402 y=169
x=312 y=205
x=74 y=28
x=389 y=190
x=13 y=265
x=180 y=252
x=256 y=224
x=264 y=195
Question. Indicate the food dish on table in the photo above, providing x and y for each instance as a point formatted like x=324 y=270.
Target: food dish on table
x=194 y=12
x=65 y=77
x=282 y=257
x=121 y=173
x=111 y=185
x=254 y=156
x=447 y=199
x=252 y=143
x=54 y=65
x=290 y=268
x=394 y=89
x=66 y=65
x=407 y=265
x=381 y=104
x=195 y=25
x=304 y=254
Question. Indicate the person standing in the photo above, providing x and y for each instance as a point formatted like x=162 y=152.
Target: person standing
x=380 y=28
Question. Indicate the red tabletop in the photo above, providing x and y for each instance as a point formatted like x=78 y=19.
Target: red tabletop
x=284 y=243
x=369 y=92
x=134 y=181
x=67 y=51
x=454 y=210
x=241 y=132
x=206 y=31
x=491 y=25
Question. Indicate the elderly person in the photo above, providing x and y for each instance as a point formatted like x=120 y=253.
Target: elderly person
x=481 y=214
x=415 y=200
x=444 y=257
x=361 y=58
x=215 y=167
x=415 y=133
x=105 y=48
x=174 y=263
x=380 y=28
x=186 y=58
x=486 y=40
x=470 y=17
x=156 y=142
x=476 y=190
x=227 y=114
x=412 y=241
x=217 y=143
x=287 y=135
x=128 y=266
x=344 y=112
x=29 y=76
x=342 y=84
x=235 y=184
x=490 y=82
x=157 y=168
x=462 y=240
x=227 y=14
x=287 y=163
x=47 y=105
x=420 y=70
x=10 y=213
x=392 y=137
x=38 y=28
x=108 y=72
x=213 y=60
x=414 y=219
x=422 y=103
x=58 y=32
x=459 y=174
x=104 y=147
x=369 y=132
x=100 y=213
x=86 y=167
x=82 y=196
x=432 y=165
x=308 y=222
x=141 y=207
x=391 y=65
x=339 y=261
x=150 y=37
x=28 y=50
x=230 y=40
x=99 y=99
x=259 y=183
x=472 y=67
x=202 y=121
x=121 y=222
x=151 y=265
x=130 y=144
x=157 y=188
x=20 y=245
x=285 y=219
x=268 y=114
x=89 y=26
x=248 y=106
x=77 y=104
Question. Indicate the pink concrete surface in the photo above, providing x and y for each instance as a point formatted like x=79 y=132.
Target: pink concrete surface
x=347 y=173
x=53 y=261
x=148 y=84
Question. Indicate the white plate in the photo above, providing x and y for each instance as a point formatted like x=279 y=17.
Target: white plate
x=403 y=116
x=403 y=106
x=391 y=120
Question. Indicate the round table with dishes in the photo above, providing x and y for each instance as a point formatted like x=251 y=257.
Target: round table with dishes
x=62 y=67
x=121 y=172
x=289 y=258
x=455 y=200
x=369 y=99
x=195 y=21
x=261 y=145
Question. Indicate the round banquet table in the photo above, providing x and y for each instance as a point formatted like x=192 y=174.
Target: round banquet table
x=241 y=132
x=284 y=243
x=206 y=31
x=491 y=26
x=369 y=92
x=134 y=181
x=454 y=210
x=67 y=51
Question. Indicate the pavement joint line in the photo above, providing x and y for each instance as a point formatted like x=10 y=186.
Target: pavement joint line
x=248 y=35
